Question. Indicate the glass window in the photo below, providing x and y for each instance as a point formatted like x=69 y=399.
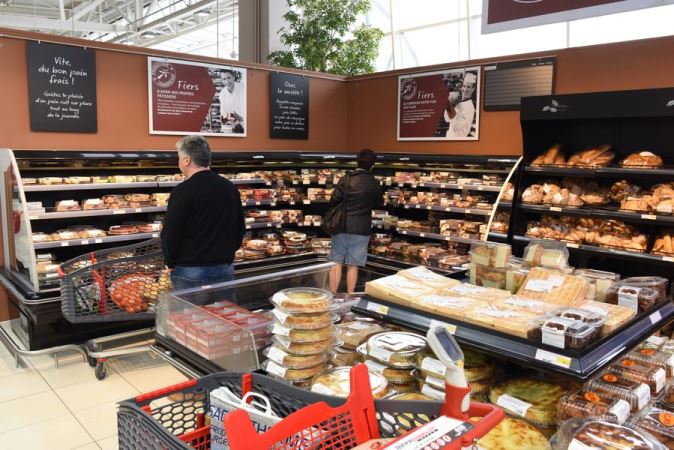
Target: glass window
x=427 y=46
x=525 y=40
x=412 y=14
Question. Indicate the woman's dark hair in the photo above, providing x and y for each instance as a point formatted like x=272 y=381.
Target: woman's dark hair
x=366 y=159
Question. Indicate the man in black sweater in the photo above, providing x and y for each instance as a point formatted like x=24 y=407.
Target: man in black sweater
x=204 y=222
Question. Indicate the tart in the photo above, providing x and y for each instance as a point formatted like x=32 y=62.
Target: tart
x=396 y=348
x=122 y=229
x=278 y=355
x=411 y=396
x=337 y=382
x=303 y=300
x=513 y=434
x=303 y=322
x=304 y=348
x=538 y=399
x=291 y=374
x=303 y=336
x=392 y=375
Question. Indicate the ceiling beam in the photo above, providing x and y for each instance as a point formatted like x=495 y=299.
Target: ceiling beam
x=86 y=9
x=26 y=22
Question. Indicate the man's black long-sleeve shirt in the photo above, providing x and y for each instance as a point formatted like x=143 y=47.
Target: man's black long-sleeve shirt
x=204 y=223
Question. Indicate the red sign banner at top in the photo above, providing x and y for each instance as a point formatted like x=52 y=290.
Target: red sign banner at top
x=501 y=15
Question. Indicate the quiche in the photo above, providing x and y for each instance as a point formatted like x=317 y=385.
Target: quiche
x=534 y=400
x=337 y=382
x=303 y=322
x=513 y=434
x=303 y=336
x=303 y=300
x=416 y=396
x=396 y=348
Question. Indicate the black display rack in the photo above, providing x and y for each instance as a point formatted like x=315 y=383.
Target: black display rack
x=576 y=364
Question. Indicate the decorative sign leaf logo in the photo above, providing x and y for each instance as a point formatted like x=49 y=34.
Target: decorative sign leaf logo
x=556 y=107
x=670 y=103
x=554 y=102
x=546 y=108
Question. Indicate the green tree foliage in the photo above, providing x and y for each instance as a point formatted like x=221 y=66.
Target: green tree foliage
x=322 y=36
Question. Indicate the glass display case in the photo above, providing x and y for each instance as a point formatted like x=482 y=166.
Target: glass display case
x=225 y=326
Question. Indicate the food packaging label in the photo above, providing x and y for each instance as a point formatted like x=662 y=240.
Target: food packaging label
x=553 y=336
x=449 y=302
x=439 y=433
x=275 y=369
x=322 y=389
x=660 y=378
x=524 y=303
x=469 y=289
x=628 y=297
x=544 y=285
x=375 y=367
x=575 y=444
x=432 y=392
x=437 y=383
x=276 y=354
x=433 y=365
x=513 y=405
x=595 y=309
x=280 y=315
x=359 y=326
x=656 y=340
x=67 y=203
x=667 y=209
x=380 y=354
x=280 y=330
x=643 y=393
x=621 y=409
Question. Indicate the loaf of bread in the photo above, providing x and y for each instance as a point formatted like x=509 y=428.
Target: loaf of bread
x=664 y=244
x=642 y=159
x=598 y=156
x=553 y=156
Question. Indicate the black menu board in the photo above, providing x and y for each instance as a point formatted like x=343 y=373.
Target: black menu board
x=289 y=109
x=62 y=88
x=507 y=82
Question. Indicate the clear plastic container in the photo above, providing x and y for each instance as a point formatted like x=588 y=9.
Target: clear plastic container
x=518 y=303
x=490 y=254
x=657 y=283
x=582 y=315
x=550 y=254
x=615 y=315
x=491 y=277
x=653 y=358
x=616 y=387
x=588 y=404
x=288 y=374
x=654 y=377
x=396 y=348
x=357 y=332
x=534 y=400
x=667 y=398
x=553 y=286
x=303 y=300
x=337 y=382
x=659 y=423
x=599 y=281
x=411 y=396
x=304 y=321
x=515 y=278
x=285 y=359
x=584 y=434
x=391 y=374
x=637 y=298
x=562 y=332
x=309 y=348
x=345 y=357
x=303 y=336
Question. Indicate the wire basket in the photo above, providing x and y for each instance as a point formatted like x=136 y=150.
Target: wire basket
x=174 y=418
x=116 y=285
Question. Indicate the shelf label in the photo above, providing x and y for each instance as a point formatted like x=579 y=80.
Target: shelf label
x=649 y=216
x=555 y=208
x=467 y=211
x=553 y=358
x=321 y=182
x=480 y=188
x=413 y=185
x=269 y=225
x=306 y=202
x=514 y=405
x=33 y=216
x=376 y=307
x=407 y=206
x=65 y=244
x=443 y=186
x=572 y=245
x=448 y=209
x=206 y=286
x=258 y=203
x=429 y=207
x=139 y=210
x=84 y=242
x=98 y=241
x=448 y=326
x=119 y=211
x=422 y=234
x=155 y=235
x=247 y=227
x=655 y=317
x=306 y=181
x=291 y=202
x=403 y=231
x=668 y=258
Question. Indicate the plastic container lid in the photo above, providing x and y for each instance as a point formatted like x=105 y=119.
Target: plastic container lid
x=667 y=398
x=302 y=322
x=534 y=400
x=585 y=434
x=659 y=423
x=654 y=358
x=588 y=404
x=391 y=374
x=657 y=283
x=634 y=297
x=562 y=332
x=309 y=348
x=338 y=383
x=654 y=377
x=582 y=315
x=289 y=374
x=616 y=387
x=303 y=300
x=396 y=348
x=545 y=253
x=303 y=336
x=285 y=359
x=490 y=254
x=411 y=396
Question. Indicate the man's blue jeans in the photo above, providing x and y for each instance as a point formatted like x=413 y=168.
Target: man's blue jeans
x=190 y=277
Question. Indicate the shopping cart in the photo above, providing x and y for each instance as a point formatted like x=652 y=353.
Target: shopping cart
x=117 y=284
x=174 y=418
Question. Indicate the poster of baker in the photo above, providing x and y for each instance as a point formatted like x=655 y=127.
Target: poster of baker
x=439 y=106
x=190 y=97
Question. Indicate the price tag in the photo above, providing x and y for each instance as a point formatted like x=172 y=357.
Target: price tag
x=258 y=203
x=480 y=188
x=407 y=206
x=555 y=208
x=467 y=211
x=155 y=235
x=649 y=216
x=403 y=231
x=206 y=286
x=413 y=185
x=84 y=242
x=553 y=358
x=668 y=258
x=65 y=244
x=429 y=207
x=514 y=405
x=376 y=307
x=572 y=245
x=448 y=209
x=119 y=211
x=422 y=234
x=306 y=181
x=655 y=317
x=98 y=241
x=436 y=323
x=321 y=182
x=306 y=202
x=269 y=225
x=272 y=204
x=295 y=182
x=139 y=210
x=33 y=216
x=247 y=227
x=442 y=186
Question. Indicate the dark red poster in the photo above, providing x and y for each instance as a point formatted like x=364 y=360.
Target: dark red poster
x=442 y=105
x=500 y=15
x=191 y=97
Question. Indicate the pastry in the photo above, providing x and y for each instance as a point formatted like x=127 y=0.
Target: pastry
x=392 y=375
x=513 y=434
x=93 y=203
x=550 y=157
x=593 y=157
x=411 y=396
x=50 y=180
x=396 y=348
x=278 y=355
x=353 y=334
x=554 y=287
x=304 y=348
x=660 y=424
x=623 y=189
x=303 y=322
x=303 y=300
x=540 y=395
x=563 y=332
x=642 y=159
x=303 y=336
x=291 y=374
x=602 y=435
x=67 y=205
x=616 y=387
x=122 y=229
x=588 y=404
x=337 y=382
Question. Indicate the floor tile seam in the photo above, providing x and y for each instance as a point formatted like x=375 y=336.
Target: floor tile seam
x=36 y=423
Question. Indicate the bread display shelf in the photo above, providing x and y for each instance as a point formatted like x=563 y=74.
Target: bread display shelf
x=435 y=236
x=256 y=226
x=618 y=172
x=258 y=203
x=615 y=253
x=460 y=187
x=93 y=241
x=107 y=186
x=579 y=364
x=474 y=211
x=655 y=219
x=96 y=212
x=400 y=264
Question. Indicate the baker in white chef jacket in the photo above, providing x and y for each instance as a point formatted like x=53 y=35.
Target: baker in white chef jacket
x=232 y=97
x=460 y=110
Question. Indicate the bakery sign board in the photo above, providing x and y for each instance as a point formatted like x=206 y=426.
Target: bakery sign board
x=188 y=97
x=439 y=106
x=61 y=88
x=289 y=108
x=501 y=15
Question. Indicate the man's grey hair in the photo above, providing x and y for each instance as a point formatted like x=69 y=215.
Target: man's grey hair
x=197 y=148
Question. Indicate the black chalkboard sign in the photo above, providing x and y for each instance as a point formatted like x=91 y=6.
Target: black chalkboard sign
x=507 y=82
x=62 y=88
x=289 y=107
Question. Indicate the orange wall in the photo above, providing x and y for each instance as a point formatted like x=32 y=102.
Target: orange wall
x=123 y=109
x=632 y=65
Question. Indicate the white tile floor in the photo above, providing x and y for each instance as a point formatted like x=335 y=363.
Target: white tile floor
x=43 y=407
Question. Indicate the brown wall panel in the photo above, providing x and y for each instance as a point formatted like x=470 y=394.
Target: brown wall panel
x=641 y=64
x=123 y=110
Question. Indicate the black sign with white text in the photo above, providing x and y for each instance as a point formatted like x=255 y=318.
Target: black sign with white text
x=62 y=88
x=289 y=107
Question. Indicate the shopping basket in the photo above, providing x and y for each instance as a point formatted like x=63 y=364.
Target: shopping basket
x=174 y=418
x=116 y=284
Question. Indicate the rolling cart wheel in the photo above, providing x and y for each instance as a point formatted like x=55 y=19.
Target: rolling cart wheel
x=91 y=361
x=94 y=347
x=100 y=371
